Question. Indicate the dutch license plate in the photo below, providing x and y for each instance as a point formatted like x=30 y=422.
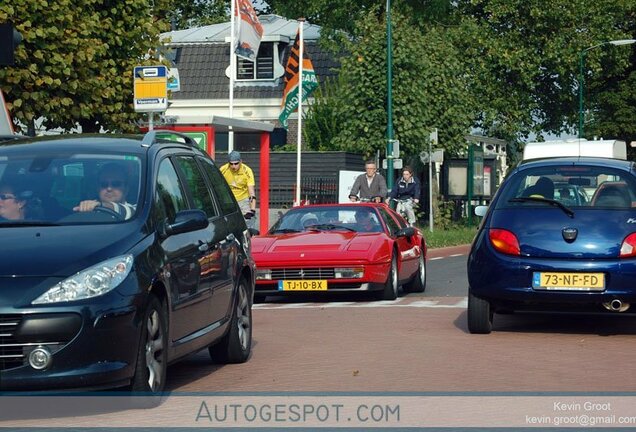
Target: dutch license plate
x=568 y=281
x=302 y=285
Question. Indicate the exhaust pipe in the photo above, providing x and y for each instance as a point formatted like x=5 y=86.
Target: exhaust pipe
x=616 y=306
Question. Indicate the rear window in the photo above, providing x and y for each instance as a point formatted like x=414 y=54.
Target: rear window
x=571 y=185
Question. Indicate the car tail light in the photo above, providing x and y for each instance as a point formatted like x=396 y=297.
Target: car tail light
x=628 y=248
x=504 y=241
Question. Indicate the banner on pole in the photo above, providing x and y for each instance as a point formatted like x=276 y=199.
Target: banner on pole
x=309 y=81
x=249 y=31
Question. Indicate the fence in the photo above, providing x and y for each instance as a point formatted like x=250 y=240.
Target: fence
x=316 y=190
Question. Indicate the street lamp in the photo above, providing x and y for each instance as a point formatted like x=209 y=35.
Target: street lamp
x=389 y=100
x=581 y=76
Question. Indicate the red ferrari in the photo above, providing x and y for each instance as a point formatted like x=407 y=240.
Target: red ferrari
x=340 y=247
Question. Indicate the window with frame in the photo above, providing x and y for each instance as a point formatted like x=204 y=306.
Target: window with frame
x=221 y=189
x=261 y=69
x=170 y=198
x=197 y=184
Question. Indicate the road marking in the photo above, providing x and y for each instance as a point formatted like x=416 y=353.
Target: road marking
x=461 y=303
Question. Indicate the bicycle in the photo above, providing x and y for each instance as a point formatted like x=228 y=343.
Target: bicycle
x=404 y=206
x=377 y=199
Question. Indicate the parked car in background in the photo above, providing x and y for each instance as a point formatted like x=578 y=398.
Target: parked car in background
x=351 y=247
x=130 y=253
x=547 y=245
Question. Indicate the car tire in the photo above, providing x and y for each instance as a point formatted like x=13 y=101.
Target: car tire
x=152 y=355
x=391 y=286
x=236 y=345
x=418 y=283
x=480 y=315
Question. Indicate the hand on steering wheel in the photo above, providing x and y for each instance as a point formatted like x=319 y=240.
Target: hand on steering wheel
x=109 y=211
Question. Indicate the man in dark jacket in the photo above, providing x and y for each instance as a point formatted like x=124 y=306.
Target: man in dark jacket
x=407 y=192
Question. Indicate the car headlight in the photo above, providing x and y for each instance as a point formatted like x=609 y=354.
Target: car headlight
x=91 y=282
x=263 y=274
x=349 y=273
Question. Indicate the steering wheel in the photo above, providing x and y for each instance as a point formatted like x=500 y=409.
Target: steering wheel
x=108 y=211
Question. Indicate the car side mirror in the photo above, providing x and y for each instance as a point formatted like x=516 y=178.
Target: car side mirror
x=185 y=221
x=406 y=232
x=481 y=210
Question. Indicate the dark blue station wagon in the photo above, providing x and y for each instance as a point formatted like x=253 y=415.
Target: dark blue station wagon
x=120 y=255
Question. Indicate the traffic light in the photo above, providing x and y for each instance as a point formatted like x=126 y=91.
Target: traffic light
x=9 y=40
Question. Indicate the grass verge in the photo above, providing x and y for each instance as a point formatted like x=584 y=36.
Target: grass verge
x=453 y=236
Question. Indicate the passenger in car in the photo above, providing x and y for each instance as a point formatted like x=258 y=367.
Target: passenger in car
x=543 y=188
x=612 y=196
x=113 y=188
x=308 y=220
x=16 y=203
x=11 y=206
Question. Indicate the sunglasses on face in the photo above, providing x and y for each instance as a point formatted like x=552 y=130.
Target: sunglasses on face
x=5 y=197
x=115 y=184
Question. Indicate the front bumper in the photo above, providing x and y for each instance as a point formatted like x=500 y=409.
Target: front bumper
x=93 y=345
x=374 y=278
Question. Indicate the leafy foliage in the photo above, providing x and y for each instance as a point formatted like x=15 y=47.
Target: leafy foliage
x=321 y=123
x=76 y=60
x=429 y=89
x=528 y=50
x=196 y=13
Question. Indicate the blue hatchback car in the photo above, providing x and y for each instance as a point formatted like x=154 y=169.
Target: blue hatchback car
x=120 y=255
x=539 y=249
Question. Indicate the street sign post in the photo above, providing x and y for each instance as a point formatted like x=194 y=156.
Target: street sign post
x=151 y=89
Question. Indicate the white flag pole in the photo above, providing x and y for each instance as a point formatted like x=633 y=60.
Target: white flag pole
x=300 y=107
x=230 y=136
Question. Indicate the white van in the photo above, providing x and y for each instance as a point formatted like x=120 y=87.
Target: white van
x=576 y=147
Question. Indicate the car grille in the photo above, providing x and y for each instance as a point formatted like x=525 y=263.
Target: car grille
x=305 y=273
x=11 y=352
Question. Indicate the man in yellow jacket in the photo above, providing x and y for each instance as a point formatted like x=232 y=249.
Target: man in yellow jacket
x=241 y=180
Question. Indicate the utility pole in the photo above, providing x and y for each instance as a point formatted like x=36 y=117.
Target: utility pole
x=389 y=99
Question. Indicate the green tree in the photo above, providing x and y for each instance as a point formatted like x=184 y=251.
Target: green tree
x=76 y=60
x=321 y=124
x=527 y=53
x=429 y=89
x=195 y=13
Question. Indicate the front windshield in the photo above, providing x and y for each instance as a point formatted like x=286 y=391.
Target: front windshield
x=72 y=188
x=359 y=219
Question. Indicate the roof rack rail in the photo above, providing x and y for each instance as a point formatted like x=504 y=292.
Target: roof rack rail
x=151 y=137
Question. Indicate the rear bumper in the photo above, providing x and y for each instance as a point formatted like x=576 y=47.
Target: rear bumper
x=506 y=281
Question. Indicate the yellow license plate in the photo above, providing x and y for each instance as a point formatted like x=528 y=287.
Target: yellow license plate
x=302 y=285
x=568 y=281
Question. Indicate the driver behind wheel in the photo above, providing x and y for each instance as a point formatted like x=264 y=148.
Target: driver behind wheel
x=113 y=187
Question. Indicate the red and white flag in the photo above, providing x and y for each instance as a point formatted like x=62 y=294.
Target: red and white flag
x=248 y=30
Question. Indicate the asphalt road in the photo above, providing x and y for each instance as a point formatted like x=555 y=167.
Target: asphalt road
x=417 y=344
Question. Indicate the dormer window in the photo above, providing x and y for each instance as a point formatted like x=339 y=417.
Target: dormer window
x=262 y=68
